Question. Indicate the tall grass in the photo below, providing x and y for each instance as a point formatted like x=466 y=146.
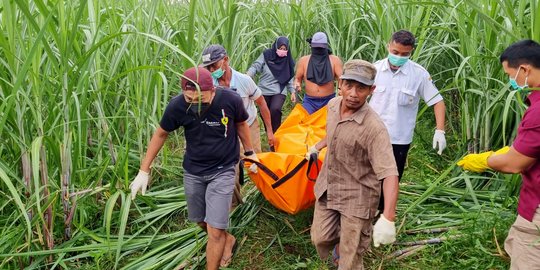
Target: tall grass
x=83 y=84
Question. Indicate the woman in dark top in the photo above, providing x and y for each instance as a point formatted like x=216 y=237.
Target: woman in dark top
x=276 y=68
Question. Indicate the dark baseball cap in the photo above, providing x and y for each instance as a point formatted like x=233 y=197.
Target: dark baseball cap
x=212 y=54
x=197 y=76
x=360 y=71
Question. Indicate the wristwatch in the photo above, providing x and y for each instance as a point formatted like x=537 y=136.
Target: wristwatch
x=249 y=153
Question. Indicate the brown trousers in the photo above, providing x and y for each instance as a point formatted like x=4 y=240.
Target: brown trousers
x=255 y=134
x=352 y=234
x=523 y=243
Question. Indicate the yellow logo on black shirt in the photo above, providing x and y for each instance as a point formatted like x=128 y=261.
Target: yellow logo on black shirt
x=224 y=121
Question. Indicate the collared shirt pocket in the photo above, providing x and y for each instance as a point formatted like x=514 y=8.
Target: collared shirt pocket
x=349 y=153
x=378 y=99
x=344 y=150
x=407 y=97
x=379 y=89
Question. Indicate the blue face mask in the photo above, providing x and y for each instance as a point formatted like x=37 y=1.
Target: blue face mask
x=515 y=86
x=396 y=60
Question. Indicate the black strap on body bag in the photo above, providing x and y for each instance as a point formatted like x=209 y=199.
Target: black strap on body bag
x=278 y=182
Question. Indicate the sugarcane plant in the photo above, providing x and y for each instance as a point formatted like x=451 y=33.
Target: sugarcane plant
x=84 y=83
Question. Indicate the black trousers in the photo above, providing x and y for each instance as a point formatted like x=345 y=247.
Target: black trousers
x=275 y=103
x=400 y=155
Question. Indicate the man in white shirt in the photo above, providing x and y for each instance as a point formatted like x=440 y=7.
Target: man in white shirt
x=400 y=85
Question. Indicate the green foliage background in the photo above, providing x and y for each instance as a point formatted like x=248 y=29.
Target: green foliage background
x=83 y=84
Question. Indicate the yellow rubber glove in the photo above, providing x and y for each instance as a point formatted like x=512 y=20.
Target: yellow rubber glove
x=478 y=162
x=503 y=150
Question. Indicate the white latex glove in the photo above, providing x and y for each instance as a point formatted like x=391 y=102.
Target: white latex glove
x=384 y=232
x=139 y=183
x=293 y=97
x=312 y=150
x=253 y=167
x=438 y=138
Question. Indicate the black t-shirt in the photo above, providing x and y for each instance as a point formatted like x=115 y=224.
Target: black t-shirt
x=211 y=139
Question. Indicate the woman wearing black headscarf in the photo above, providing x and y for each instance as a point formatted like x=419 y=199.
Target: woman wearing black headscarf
x=276 y=68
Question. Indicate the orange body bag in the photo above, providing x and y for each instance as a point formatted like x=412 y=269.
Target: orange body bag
x=285 y=177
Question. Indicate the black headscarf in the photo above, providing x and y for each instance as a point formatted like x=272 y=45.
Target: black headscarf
x=319 y=68
x=281 y=67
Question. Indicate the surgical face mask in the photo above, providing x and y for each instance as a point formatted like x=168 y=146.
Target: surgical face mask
x=198 y=109
x=396 y=60
x=281 y=53
x=515 y=86
x=218 y=73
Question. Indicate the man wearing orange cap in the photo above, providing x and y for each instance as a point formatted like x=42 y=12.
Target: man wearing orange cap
x=213 y=119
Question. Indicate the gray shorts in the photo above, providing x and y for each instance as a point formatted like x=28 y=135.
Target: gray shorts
x=209 y=197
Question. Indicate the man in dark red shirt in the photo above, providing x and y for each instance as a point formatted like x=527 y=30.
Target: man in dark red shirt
x=521 y=61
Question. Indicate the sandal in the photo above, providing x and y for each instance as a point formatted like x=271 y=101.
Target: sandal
x=225 y=262
x=335 y=255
